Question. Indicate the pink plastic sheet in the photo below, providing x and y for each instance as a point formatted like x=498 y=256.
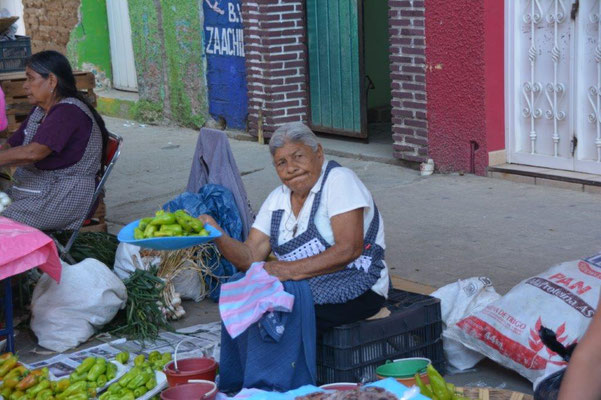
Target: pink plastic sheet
x=23 y=248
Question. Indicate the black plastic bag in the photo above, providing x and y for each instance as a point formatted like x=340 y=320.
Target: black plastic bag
x=548 y=389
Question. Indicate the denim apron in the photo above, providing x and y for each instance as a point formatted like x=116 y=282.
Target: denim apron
x=340 y=286
x=59 y=198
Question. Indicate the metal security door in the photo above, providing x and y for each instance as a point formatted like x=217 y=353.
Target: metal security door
x=553 y=78
x=122 y=52
x=337 y=97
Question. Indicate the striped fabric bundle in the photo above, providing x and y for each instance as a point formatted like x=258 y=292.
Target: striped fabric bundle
x=243 y=302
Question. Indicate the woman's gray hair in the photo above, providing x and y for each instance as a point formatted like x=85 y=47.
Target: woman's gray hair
x=292 y=132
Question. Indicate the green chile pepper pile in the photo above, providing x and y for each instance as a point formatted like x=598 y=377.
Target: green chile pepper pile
x=138 y=380
x=438 y=389
x=168 y=224
x=21 y=384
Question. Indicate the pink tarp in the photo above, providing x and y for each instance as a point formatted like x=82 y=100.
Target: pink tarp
x=23 y=248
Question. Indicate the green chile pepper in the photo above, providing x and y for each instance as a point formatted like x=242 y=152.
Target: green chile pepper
x=144 y=223
x=86 y=365
x=149 y=231
x=80 y=386
x=16 y=395
x=44 y=394
x=139 y=360
x=138 y=234
x=151 y=384
x=129 y=376
x=7 y=365
x=102 y=380
x=173 y=229
x=423 y=389
x=104 y=396
x=140 y=391
x=182 y=218
x=78 y=396
x=75 y=377
x=439 y=387
x=114 y=388
x=33 y=391
x=128 y=396
x=98 y=369
x=111 y=371
x=139 y=380
x=196 y=224
x=163 y=218
x=122 y=357
x=153 y=356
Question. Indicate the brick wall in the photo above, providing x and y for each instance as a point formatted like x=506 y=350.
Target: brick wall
x=408 y=76
x=276 y=55
x=49 y=23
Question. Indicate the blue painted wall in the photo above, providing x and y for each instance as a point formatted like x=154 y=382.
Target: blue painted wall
x=226 y=71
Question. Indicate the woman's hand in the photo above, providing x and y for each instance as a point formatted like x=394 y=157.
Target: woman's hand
x=279 y=269
x=207 y=219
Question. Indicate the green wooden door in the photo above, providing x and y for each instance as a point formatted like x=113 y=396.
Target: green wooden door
x=335 y=67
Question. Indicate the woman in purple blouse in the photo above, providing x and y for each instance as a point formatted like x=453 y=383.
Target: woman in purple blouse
x=58 y=150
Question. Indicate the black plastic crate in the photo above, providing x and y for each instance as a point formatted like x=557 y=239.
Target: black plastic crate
x=14 y=54
x=351 y=353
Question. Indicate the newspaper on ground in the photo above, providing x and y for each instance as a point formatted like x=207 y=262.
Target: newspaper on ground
x=197 y=341
x=63 y=364
x=202 y=340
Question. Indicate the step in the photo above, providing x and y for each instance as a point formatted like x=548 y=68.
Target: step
x=571 y=180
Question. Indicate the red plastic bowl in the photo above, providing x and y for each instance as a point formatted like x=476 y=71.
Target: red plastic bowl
x=204 y=390
x=340 y=386
x=191 y=368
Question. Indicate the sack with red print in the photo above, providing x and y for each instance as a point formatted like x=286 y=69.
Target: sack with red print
x=562 y=299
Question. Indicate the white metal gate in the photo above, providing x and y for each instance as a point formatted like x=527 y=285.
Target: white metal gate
x=122 y=52
x=553 y=81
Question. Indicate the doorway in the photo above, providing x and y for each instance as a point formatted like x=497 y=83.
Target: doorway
x=377 y=71
x=349 y=69
x=122 y=52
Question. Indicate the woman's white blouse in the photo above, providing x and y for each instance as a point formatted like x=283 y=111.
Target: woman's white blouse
x=342 y=192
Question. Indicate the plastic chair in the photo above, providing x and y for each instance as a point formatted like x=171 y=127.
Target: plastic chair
x=113 y=150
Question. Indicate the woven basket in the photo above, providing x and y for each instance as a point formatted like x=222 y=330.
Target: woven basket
x=492 y=394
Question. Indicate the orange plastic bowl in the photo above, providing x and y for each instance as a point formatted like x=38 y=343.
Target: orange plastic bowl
x=203 y=390
x=191 y=368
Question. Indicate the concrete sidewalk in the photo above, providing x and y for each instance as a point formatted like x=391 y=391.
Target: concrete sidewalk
x=438 y=229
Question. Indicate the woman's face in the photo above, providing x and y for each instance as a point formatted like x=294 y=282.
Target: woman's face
x=298 y=166
x=38 y=88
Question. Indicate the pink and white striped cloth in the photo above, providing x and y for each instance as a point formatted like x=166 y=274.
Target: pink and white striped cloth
x=243 y=302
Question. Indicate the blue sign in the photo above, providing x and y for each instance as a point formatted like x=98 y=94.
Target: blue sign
x=226 y=71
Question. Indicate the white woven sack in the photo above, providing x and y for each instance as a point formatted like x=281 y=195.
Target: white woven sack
x=68 y=313
x=563 y=299
x=457 y=301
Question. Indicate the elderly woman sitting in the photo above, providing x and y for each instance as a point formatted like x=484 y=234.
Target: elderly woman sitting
x=323 y=226
x=58 y=150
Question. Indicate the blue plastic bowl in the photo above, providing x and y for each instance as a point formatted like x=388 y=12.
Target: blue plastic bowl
x=126 y=235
